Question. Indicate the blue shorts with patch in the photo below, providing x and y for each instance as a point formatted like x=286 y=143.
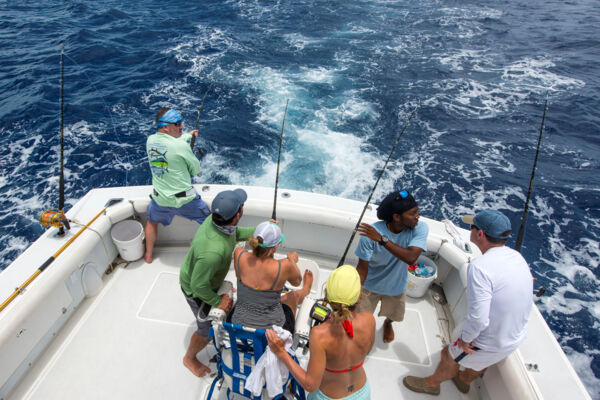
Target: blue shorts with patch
x=195 y=210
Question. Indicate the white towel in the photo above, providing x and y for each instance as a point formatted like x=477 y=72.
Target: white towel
x=270 y=369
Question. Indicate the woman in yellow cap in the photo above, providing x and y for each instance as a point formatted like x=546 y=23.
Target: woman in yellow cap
x=338 y=347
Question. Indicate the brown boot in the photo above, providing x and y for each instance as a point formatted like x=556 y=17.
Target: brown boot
x=419 y=385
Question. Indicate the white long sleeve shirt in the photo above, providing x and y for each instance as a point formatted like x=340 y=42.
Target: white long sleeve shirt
x=499 y=296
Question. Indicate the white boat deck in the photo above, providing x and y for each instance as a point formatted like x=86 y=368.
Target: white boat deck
x=150 y=324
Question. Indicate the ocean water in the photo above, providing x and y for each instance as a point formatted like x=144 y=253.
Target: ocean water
x=477 y=72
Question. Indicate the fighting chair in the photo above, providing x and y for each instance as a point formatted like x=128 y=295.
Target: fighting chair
x=238 y=350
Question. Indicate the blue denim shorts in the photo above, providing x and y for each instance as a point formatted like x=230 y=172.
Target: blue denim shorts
x=195 y=210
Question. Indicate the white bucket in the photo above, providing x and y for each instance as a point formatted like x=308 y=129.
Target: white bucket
x=128 y=236
x=417 y=285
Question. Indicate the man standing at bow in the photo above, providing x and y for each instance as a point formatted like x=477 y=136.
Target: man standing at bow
x=499 y=299
x=172 y=164
x=385 y=251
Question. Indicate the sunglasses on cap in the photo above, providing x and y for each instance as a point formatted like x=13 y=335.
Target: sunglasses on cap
x=402 y=195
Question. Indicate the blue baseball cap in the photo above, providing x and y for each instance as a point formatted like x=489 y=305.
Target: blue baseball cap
x=227 y=203
x=492 y=222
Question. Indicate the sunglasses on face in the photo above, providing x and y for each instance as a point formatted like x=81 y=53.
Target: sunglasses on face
x=177 y=124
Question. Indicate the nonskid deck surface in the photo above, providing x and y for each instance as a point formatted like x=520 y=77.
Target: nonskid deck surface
x=128 y=343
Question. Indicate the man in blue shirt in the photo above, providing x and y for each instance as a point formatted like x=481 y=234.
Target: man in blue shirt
x=385 y=251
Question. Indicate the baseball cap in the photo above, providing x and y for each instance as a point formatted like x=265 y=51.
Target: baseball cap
x=492 y=222
x=343 y=285
x=270 y=234
x=227 y=203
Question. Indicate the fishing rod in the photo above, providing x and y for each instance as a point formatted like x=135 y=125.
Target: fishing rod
x=61 y=179
x=49 y=261
x=524 y=217
x=373 y=191
x=198 y=120
x=57 y=219
x=274 y=216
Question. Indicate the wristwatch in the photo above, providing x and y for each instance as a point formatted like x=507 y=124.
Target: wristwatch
x=383 y=240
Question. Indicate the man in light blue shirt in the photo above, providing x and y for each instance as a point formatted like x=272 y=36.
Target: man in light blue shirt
x=385 y=251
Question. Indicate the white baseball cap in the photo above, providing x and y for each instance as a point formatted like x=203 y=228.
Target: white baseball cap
x=270 y=234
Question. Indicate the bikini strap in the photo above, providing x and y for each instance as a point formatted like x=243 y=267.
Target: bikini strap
x=237 y=265
x=277 y=277
x=341 y=371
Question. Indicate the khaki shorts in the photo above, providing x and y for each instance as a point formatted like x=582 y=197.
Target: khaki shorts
x=392 y=307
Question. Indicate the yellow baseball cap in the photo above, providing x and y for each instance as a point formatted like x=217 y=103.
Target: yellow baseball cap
x=343 y=285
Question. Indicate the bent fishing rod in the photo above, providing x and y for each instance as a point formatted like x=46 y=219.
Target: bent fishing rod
x=274 y=215
x=373 y=191
x=524 y=217
x=193 y=142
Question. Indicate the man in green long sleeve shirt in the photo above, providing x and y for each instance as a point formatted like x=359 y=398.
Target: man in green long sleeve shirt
x=172 y=164
x=206 y=264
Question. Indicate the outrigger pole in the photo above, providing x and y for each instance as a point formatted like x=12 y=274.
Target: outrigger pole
x=373 y=191
x=524 y=217
x=274 y=215
x=198 y=120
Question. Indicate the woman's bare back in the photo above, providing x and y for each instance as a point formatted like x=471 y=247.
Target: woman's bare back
x=345 y=354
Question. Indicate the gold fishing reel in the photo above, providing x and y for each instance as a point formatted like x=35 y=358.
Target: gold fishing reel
x=54 y=219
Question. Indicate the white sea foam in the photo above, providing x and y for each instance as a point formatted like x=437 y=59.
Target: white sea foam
x=299 y=41
x=536 y=74
x=582 y=364
x=470 y=59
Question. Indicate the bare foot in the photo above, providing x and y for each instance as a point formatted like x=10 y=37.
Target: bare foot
x=148 y=258
x=196 y=367
x=307 y=282
x=388 y=331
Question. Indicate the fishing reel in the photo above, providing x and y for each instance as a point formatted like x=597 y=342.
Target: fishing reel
x=320 y=312
x=55 y=219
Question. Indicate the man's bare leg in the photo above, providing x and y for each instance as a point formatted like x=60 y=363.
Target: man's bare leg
x=446 y=369
x=150 y=233
x=388 y=331
x=468 y=375
x=295 y=297
x=197 y=343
